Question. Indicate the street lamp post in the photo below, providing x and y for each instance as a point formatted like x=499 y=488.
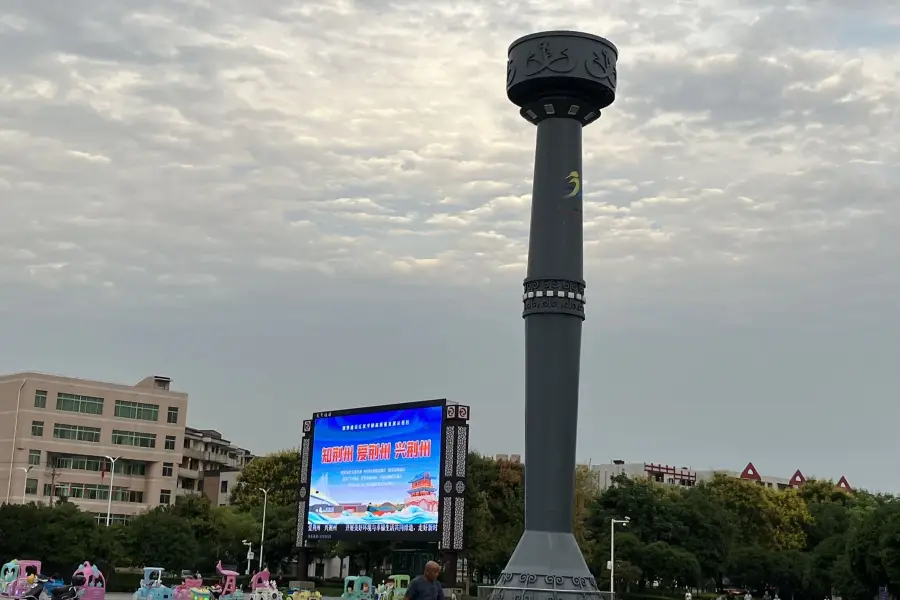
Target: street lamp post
x=249 y=545
x=262 y=535
x=112 y=476
x=612 y=554
x=25 y=471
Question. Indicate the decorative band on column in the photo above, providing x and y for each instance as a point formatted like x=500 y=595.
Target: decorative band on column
x=560 y=108
x=553 y=296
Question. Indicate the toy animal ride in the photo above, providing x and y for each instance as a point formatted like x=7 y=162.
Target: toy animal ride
x=94 y=587
x=8 y=574
x=262 y=588
x=184 y=591
x=152 y=587
x=229 y=584
x=305 y=595
x=21 y=585
x=357 y=588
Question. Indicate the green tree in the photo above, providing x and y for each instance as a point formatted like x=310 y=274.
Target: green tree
x=162 y=538
x=710 y=531
x=495 y=500
x=281 y=534
x=48 y=533
x=278 y=472
x=671 y=566
x=874 y=548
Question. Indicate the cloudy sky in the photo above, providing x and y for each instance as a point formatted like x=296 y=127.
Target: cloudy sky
x=292 y=206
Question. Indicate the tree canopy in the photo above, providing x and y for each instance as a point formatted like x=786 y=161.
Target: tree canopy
x=807 y=543
x=278 y=472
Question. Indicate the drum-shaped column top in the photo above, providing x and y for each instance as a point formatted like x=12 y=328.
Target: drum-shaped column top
x=561 y=74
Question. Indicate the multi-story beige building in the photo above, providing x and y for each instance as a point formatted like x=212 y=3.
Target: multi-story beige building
x=60 y=435
x=210 y=464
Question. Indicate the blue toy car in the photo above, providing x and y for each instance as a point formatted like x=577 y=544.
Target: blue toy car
x=152 y=587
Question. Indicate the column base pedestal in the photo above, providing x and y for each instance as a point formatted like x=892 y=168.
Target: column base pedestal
x=546 y=566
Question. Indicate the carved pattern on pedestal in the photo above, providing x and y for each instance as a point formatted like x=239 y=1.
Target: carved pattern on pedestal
x=532 y=586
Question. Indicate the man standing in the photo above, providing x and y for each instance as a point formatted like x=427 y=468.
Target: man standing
x=426 y=587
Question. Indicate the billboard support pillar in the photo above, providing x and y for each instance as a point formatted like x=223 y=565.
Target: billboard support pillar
x=303 y=564
x=449 y=559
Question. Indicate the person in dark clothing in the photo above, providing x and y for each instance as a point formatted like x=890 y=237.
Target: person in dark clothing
x=426 y=586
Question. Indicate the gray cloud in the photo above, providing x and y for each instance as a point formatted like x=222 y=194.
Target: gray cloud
x=312 y=205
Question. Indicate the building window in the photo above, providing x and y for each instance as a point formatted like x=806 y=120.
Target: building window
x=133 y=438
x=114 y=519
x=173 y=415
x=126 y=495
x=168 y=469
x=223 y=487
x=37 y=428
x=188 y=484
x=48 y=489
x=61 y=431
x=89 y=405
x=40 y=399
x=80 y=462
x=31 y=486
x=97 y=491
x=137 y=410
x=165 y=496
x=170 y=442
x=34 y=457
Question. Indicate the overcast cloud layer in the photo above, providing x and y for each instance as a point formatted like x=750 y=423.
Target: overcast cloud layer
x=295 y=206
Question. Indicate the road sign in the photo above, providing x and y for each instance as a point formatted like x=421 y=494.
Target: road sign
x=250 y=555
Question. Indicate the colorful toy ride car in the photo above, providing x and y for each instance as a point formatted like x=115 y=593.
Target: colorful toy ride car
x=357 y=588
x=94 y=587
x=21 y=584
x=299 y=594
x=152 y=587
x=199 y=593
x=262 y=588
x=229 y=584
x=185 y=591
x=396 y=587
x=8 y=574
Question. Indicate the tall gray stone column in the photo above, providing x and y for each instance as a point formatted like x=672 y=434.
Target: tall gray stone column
x=561 y=80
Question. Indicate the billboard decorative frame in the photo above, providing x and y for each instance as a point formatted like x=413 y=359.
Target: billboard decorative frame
x=453 y=477
x=382 y=472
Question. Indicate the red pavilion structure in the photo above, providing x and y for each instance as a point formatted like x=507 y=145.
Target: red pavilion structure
x=422 y=492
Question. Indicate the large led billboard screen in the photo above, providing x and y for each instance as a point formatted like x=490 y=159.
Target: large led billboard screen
x=375 y=473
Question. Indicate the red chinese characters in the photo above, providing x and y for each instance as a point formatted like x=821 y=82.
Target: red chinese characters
x=413 y=449
x=337 y=454
x=377 y=451
x=370 y=452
